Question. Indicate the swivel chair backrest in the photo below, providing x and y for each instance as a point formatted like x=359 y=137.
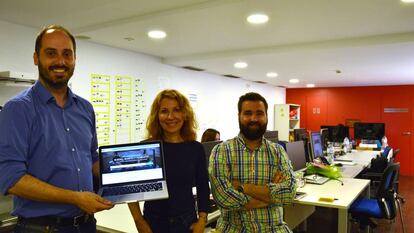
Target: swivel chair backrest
x=396 y=152
x=386 y=192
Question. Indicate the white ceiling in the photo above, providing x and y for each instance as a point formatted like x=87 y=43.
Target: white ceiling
x=370 y=41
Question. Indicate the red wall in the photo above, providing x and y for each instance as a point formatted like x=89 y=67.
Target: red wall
x=332 y=106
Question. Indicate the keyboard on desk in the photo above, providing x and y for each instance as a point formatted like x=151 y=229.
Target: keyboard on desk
x=316 y=179
x=343 y=158
x=137 y=188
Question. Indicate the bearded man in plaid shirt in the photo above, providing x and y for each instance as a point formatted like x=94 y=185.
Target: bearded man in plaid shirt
x=251 y=177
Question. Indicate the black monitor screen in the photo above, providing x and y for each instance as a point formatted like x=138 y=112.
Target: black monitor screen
x=369 y=131
x=208 y=147
x=296 y=154
x=325 y=138
x=300 y=134
x=337 y=133
x=316 y=144
x=272 y=135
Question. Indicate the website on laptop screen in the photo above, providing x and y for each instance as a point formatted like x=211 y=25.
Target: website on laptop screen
x=131 y=163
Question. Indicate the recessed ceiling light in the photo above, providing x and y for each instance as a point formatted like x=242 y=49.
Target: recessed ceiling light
x=157 y=34
x=407 y=1
x=310 y=85
x=240 y=65
x=271 y=74
x=294 y=80
x=257 y=18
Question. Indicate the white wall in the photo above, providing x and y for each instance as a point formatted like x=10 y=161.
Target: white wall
x=217 y=95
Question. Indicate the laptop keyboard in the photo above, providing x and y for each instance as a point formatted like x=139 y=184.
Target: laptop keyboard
x=312 y=179
x=136 y=188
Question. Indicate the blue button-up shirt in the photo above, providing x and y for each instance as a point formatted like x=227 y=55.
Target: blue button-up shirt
x=56 y=145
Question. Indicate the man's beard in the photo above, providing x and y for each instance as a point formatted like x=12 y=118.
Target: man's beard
x=58 y=83
x=252 y=134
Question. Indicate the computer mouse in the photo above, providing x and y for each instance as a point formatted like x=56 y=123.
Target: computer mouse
x=339 y=164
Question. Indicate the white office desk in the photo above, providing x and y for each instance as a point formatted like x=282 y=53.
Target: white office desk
x=361 y=160
x=119 y=219
x=361 y=157
x=345 y=195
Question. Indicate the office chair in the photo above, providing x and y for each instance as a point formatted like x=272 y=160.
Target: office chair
x=283 y=144
x=377 y=168
x=385 y=204
x=394 y=155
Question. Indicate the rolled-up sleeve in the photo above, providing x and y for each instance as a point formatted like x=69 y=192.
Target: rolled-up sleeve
x=219 y=169
x=14 y=137
x=283 y=193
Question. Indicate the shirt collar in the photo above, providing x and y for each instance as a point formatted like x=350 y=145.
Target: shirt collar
x=241 y=140
x=45 y=96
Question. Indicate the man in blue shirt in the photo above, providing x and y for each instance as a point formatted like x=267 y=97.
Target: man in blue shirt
x=48 y=145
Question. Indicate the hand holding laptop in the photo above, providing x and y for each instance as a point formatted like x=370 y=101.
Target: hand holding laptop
x=132 y=172
x=91 y=202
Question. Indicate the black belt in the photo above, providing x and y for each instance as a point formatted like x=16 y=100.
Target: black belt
x=57 y=221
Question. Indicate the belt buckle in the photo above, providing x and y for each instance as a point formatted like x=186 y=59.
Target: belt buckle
x=77 y=220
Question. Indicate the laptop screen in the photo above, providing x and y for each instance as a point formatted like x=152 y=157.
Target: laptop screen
x=131 y=163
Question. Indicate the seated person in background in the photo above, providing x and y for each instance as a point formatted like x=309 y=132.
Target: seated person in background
x=210 y=135
x=172 y=120
x=251 y=177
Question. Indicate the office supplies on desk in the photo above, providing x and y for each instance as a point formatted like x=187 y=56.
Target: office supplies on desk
x=328 y=199
x=132 y=172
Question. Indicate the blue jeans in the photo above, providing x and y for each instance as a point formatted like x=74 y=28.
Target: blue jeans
x=89 y=227
x=176 y=224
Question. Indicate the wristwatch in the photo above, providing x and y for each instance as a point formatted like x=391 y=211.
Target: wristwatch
x=240 y=188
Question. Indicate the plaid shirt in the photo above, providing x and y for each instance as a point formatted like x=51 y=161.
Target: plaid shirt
x=232 y=160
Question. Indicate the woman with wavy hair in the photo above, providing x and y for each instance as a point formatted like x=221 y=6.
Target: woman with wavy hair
x=172 y=120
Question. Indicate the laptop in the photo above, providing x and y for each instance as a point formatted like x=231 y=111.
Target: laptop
x=132 y=172
x=316 y=179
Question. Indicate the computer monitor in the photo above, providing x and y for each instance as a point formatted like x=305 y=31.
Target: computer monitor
x=316 y=145
x=337 y=133
x=271 y=135
x=300 y=134
x=324 y=138
x=369 y=131
x=208 y=147
x=296 y=153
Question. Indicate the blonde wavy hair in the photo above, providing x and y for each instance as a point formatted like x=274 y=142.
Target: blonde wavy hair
x=188 y=130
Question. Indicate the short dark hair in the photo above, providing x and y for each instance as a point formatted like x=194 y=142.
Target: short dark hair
x=251 y=96
x=209 y=135
x=39 y=37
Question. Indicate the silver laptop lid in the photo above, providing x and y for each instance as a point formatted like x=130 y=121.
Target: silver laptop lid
x=131 y=163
